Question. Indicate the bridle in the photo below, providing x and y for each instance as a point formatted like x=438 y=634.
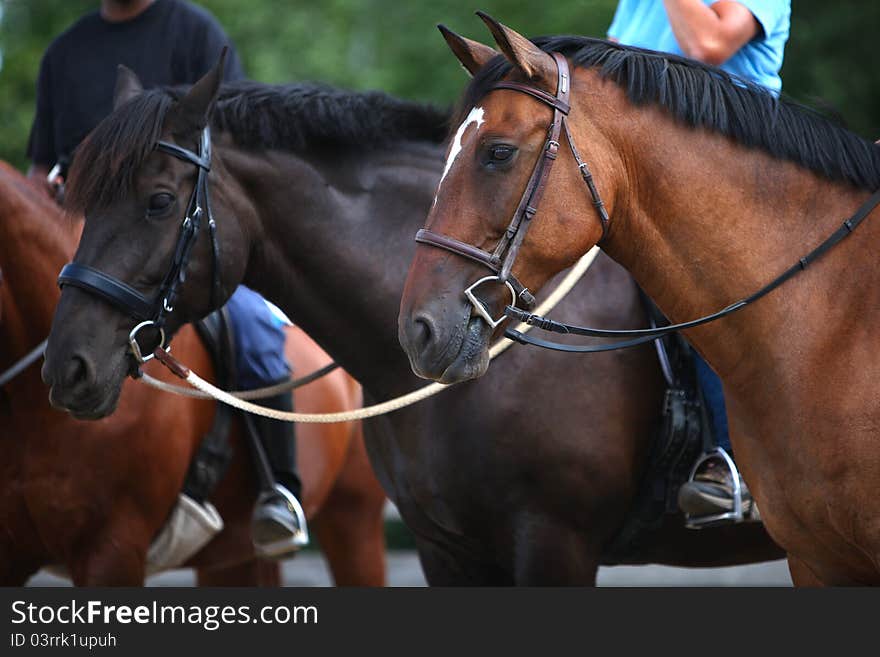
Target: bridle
x=152 y=313
x=502 y=258
x=500 y=261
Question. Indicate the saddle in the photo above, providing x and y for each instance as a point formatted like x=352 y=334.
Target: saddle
x=194 y=521
x=212 y=459
x=684 y=438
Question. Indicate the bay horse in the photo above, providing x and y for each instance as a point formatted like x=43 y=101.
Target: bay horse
x=316 y=193
x=91 y=496
x=712 y=188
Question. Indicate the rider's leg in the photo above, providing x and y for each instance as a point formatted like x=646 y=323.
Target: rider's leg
x=711 y=489
x=713 y=395
x=279 y=522
x=279 y=442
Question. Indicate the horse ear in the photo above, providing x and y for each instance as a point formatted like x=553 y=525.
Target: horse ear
x=536 y=64
x=193 y=111
x=127 y=86
x=473 y=55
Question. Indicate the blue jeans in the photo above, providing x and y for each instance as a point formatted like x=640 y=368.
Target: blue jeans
x=713 y=394
x=259 y=341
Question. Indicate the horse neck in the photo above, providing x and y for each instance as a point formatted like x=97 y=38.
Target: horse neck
x=34 y=244
x=701 y=222
x=330 y=242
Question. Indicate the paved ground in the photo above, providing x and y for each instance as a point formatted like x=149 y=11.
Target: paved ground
x=308 y=569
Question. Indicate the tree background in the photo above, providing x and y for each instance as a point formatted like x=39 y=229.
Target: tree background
x=831 y=60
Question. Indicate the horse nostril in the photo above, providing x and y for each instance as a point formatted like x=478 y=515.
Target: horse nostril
x=422 y=332
x=77 y=372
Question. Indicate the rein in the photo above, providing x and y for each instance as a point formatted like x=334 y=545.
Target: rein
x=647 y=335
x=152 y=313
x=204 y=388
x=257 y=393
x=23 y=363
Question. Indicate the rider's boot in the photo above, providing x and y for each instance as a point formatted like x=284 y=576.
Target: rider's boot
x=279 y=523
x=716 y=493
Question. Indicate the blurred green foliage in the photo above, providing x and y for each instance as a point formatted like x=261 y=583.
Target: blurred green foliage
x=392 y=45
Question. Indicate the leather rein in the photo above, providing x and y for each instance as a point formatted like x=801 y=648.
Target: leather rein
x=152 y=313
x=501 y=260
x=641 y=336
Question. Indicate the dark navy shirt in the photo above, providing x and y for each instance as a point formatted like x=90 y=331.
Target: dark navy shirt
x=171 y=42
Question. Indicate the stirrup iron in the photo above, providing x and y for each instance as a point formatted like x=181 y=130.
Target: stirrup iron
x=286 y=546
x=736 y=515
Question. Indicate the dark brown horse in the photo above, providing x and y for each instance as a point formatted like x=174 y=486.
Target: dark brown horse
x=714 y=187
x=524 y=478
x=92 y=496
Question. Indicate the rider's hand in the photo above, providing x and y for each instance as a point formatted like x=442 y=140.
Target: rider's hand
x=38 y=175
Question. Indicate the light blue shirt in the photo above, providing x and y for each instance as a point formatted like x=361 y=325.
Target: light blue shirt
x=644 y=23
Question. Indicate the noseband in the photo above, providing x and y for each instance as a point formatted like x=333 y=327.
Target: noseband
x=152 y=313
x=500 y=261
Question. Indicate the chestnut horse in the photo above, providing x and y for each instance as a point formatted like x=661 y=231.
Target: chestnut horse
x=316 y=193
x=91 y=496
x=713 y=188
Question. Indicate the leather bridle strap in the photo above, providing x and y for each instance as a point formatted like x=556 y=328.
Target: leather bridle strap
x=478 y=255
x=587 y=175
x=189 y=231
x=109 y=288
x=153 y=312
x=203 y=160
x=646 y=335
x=501 y=260
x=509 y=246
x=559 y=102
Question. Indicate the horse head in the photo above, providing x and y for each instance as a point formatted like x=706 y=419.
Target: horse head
x=497 y=171
x=147 y=260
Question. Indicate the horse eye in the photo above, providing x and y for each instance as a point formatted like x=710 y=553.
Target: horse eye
x=501 y=153
x=159 y=203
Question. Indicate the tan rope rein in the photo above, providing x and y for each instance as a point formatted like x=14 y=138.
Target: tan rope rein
x=257 y=393
x=429 y=390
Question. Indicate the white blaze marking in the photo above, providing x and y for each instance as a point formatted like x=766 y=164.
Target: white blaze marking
x=476 y=116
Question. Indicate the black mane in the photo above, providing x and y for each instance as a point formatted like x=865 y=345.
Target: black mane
x=699 y=95
x=295 y=117
x=305 y=116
